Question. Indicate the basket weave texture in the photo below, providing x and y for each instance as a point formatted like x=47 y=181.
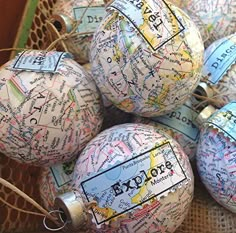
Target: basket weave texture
x=23 y=177
x=205 y=215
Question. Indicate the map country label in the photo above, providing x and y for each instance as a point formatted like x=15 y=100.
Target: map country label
x=91 y=19
x=218 y=59
x=128 y=185
x=155 y=21
x=39 y=61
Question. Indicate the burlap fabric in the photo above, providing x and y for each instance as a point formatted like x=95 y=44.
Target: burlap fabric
x=205 y=214
x=25 y=178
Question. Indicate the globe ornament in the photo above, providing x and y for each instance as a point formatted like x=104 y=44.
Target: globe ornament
x=146 y=56
x=216 y=156
x=219 y=72
x=186 y=6
x=135 y=174
x=215 y=19
x=64 y=17
x=50 y=108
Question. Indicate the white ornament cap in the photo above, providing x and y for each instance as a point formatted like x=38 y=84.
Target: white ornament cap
x=205 y=114
x=73 y=210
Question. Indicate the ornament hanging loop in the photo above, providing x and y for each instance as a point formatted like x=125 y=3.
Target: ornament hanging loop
x=54 y=229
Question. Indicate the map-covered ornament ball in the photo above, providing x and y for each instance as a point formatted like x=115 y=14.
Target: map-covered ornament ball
x=105 y=101
x=180 y=3
x=215 y=19
x=146 y=56
x=67 y=13
x=54 y=181
x=180 y=124
x=216 y=156
x=219 y=72
x=185 y=6
x=138 y=179
x=50 y=108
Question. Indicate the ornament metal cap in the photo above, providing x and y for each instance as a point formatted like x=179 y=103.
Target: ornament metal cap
x=63 y=23
x=204 y=90
x=205 y=114
x=73 y=210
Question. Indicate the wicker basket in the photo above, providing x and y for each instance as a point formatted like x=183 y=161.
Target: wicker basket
x=205 y=215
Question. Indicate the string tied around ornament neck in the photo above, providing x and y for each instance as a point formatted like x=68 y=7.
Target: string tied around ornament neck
x=72 y=211
x=71 y=34
x=212 y=99
x=55 y=229
x=43 y=212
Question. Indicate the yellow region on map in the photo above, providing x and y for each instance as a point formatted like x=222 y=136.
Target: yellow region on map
x=110 y=20
x=159 y=99
x=127 y=104
x=145 y=27
x=117 y=53
x=137 y=199
x=104 y=212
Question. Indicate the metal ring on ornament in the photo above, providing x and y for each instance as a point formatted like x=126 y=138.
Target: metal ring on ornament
x=63 y=23
x=55 y=229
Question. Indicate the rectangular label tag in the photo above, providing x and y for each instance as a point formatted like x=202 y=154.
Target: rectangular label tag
x=130 y=184
x=154 y=20
x=39 y=61
x=181 y=120
x=219 y=59
x=91 y=19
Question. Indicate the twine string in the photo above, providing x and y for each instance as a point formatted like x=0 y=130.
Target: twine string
x=72 y=33
x=20 y=210
x=12 y=49
x=54 y=229
x=42 y=11
x=211 y=99
x=90 y=204
x=60 y=37
x=54 y=30
x=44 y=213
x=28 y=199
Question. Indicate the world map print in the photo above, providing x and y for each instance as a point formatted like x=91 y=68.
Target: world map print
x=146 y=56
x=215 y=19
x=216 y=156
x=141 y=180
x=180 y=124
x=46 y=117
